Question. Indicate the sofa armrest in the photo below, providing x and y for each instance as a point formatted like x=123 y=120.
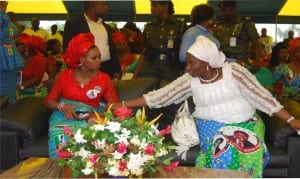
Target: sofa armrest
x=293 y=152
x=10 y=143
x=28 y=117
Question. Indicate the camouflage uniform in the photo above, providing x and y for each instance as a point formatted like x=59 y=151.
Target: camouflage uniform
x=235 y=37
x=161 y=42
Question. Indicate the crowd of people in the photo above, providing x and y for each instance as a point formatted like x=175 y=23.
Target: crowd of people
x=226 y=67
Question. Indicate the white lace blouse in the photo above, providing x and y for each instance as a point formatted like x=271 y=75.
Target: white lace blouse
x=232 y=99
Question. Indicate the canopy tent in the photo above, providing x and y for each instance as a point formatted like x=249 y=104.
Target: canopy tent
x=262 y=11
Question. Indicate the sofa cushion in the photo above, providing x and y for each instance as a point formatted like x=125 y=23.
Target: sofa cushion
x=28 y=117
x=38 y=148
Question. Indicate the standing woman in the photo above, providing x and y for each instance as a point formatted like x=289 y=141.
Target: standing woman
x=78 y=90
x=10 y=60
x=203 y=20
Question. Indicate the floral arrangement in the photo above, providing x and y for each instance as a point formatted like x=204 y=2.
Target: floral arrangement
x=117 y=144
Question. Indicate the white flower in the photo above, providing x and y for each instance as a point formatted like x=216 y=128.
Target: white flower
x=146 y=158
x=137 y=172
x=155 y=127
x=121 y=138
x=79 y=137
x=117 y=155
x=99 y=127
x=113 y=126
x=83 y=153
x=135 y=141
x=143 y=144
x=99 y=144
x=162 y=152
x=114 y=171
x=135 y=161
x=87 y=171
x=125 y=132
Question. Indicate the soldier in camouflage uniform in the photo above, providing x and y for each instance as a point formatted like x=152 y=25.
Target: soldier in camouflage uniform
x=161 y=44
x=235 y=34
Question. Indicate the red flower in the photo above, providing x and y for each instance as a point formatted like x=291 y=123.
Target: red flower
x=149 y=149
x=170 y=167
x=165 y=131
x=123 y=112
x=68 y=131
x=63 y=153
x=93 y=158
x=122 y=148
x=122 y=165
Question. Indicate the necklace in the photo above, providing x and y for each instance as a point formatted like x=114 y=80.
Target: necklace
x=210 y=80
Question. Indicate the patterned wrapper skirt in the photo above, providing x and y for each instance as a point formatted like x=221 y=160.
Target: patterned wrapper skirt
x=8 y=84
x=237 y=146
x=57 y=121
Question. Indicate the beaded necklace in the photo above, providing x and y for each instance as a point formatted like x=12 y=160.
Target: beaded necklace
x=210 y=80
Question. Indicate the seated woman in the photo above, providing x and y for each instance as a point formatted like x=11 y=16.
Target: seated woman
x=34 y=71
x=78 y=90
x=226 y=97
x=55 y=60
x=287 y=76
x=280 y=55
x=134 y=36
x=55 y=55
x=127 y=60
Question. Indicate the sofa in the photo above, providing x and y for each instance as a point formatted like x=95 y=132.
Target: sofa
x=24 y=127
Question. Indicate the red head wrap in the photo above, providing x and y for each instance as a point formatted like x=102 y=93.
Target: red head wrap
x=118 y=36
x=293 y=44
x=78 y=47
x=33 y=43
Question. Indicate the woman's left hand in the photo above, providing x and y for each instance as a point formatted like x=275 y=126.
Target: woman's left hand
x=295 y=124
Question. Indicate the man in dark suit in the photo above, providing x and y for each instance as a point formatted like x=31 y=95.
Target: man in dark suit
x=91 y=21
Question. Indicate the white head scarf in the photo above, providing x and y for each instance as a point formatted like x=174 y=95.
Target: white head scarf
x=206 y=50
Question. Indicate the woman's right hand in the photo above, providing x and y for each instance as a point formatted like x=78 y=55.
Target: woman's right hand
x=68 y=110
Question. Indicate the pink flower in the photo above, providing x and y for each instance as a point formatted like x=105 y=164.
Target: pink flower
x=68 y=131
x=165 y=131
x=123 y=112
x=170 y=167
x=63 y=153
x=93 y=158
x=122 y=148
x=149 y=149
x=122 y=165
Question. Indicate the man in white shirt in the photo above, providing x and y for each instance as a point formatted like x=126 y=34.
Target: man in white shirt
x=91 y=21
x=266 y=40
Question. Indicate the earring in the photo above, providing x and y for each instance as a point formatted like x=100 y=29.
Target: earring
x=207 y=68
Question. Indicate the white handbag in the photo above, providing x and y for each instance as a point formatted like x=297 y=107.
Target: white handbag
x=184 y=131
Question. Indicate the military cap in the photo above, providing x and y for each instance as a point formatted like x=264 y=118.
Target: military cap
x=227 y=3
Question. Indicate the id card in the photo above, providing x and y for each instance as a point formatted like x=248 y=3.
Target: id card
x=19 y=77
x=170 y=43
x=232 y=42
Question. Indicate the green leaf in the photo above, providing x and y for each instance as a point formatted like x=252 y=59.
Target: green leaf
x=61 y=163
x=109 y=115
x=167 y=161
